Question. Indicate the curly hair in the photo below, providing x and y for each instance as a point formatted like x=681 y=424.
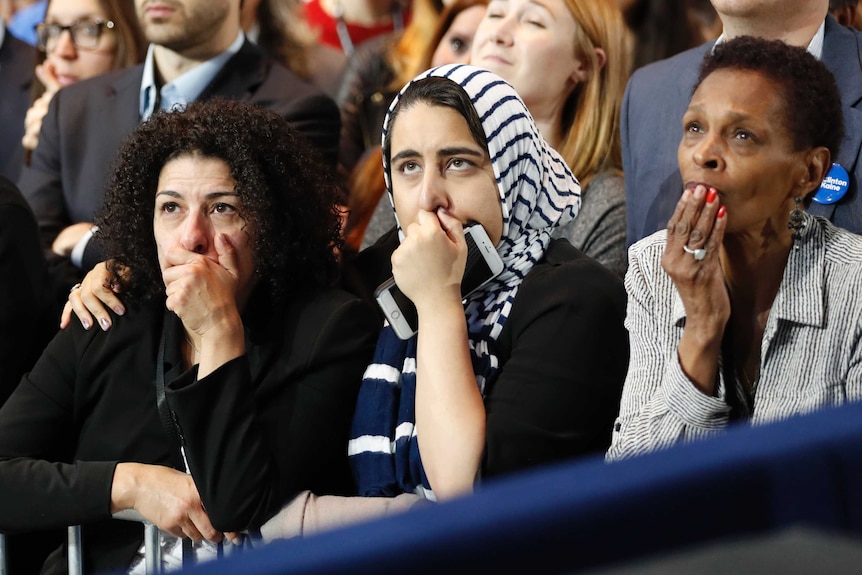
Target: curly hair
x=812 y=102
x=287 y=194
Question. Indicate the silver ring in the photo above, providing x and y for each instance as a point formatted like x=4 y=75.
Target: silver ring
x=698 y=254
x=74 y=287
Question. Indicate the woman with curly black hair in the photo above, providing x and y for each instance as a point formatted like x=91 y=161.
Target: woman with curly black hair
x=236 y=359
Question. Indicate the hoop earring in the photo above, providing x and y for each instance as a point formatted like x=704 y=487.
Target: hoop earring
x=797 y=222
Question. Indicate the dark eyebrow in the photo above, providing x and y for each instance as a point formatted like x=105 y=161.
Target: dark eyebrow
x=441 y=153
x=734 y=117
x=210 y=196
x=460 y=152
x=731 y=116
x=403 y=154
x=89 y=16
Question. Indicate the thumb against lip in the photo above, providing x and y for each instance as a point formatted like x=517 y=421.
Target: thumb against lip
x=451 y=225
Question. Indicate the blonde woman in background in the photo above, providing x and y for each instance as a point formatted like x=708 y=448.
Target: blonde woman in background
x=576 y=102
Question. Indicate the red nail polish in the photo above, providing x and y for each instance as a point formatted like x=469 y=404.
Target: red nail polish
x=711 y=195
x=722 y=211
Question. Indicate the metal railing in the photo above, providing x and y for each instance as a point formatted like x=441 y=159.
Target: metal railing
x=75 y=556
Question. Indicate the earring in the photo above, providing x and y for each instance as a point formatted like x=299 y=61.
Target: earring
x=797 y=221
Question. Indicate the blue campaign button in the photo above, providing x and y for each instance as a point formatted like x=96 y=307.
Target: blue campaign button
x=834 y=186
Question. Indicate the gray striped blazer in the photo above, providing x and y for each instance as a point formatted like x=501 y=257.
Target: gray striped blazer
x=811 y=354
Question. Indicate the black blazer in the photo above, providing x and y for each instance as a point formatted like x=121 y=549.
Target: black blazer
x=256 y=431
x=17 y=60
x=87 y=121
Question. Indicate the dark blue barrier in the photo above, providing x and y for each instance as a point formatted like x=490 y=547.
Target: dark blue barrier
x=806 y=470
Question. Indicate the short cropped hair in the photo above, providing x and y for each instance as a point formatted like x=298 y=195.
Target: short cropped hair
x=812 y=102
x=288 y=196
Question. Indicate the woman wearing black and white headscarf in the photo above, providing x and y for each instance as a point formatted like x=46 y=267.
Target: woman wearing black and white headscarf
x=534 y=373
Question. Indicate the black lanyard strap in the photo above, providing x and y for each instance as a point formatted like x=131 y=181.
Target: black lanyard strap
x=167 y=417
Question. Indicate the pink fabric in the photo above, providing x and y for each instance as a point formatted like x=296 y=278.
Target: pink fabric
x=308 y=513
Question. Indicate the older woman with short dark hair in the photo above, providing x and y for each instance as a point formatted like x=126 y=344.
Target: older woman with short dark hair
x=746 y=308
x=236 y=359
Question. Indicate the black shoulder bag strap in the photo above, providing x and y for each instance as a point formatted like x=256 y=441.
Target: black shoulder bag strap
x=165 y=413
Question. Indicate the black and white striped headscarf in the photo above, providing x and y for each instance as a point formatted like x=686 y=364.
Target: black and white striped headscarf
x=537 y=192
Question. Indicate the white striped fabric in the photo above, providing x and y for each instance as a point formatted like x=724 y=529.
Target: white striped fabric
x=370 y=444
x=811 y=354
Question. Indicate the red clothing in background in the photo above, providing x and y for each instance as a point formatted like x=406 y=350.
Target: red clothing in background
x=324 y=25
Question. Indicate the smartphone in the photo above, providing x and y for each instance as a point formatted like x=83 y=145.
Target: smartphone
x=483 y=265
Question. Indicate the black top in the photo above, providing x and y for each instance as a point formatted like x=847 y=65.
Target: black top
x=564 y=353
x=27 y=318
x=257 y=430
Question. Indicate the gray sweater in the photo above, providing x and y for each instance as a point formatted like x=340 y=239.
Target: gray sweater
x=599 y=229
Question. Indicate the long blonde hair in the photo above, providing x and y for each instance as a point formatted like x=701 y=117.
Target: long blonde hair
x=591 y=115
x=406 y=56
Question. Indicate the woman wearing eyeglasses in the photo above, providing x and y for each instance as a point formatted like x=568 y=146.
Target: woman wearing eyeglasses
x=80 y=39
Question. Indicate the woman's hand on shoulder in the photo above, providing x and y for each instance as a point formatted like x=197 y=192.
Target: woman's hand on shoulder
x=91 y=299
x=428 y=266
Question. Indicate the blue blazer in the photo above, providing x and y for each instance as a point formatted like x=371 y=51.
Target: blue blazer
x=651 y=124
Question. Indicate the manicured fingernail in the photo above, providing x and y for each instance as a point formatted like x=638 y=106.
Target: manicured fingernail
x=722 y=211
x=699 y=191
x=711 y=195
x=85 y=323
x=119 y=310
x=105 y=324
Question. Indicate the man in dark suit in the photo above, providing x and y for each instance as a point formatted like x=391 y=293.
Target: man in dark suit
x=197 y=51
x=17 y=60
x=658 y=95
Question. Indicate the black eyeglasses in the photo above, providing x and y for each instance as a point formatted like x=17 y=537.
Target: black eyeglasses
x=85 y=34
